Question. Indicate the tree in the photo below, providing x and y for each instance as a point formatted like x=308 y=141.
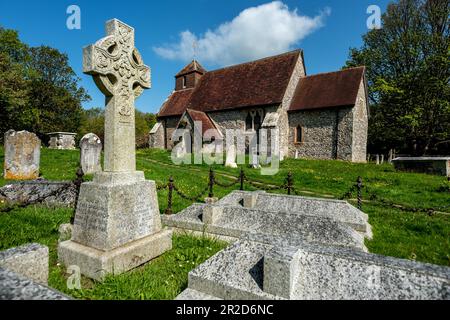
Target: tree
x=408 y=73
x=13 y=95
x=39 y=91
x=93 y=120
x=55 y=90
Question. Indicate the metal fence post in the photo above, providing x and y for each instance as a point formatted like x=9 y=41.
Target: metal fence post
x=169 y=197
x=77 y=182
x=289 y=182
x=359 y=186
x=241 y=178
x=211 y=183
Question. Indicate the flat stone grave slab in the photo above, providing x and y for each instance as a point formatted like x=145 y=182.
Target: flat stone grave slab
x=231 y=221
x=338 y=210
x=272 y=267
x=18 y=287
x=30 y=260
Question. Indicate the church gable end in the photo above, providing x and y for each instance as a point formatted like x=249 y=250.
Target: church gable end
x=331 y=110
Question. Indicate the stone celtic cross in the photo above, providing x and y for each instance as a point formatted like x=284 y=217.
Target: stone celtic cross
x=120 y=74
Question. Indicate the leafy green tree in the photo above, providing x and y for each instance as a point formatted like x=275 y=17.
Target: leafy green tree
x=408 y=73
x=39 y=91
x=13 y=95
x=93 y=120
x=55 y=90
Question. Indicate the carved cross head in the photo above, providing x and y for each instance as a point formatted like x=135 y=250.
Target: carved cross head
x=117 y=66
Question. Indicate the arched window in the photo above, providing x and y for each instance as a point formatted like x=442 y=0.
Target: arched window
x=299 y=134
x=257 y=121
x=248 y=122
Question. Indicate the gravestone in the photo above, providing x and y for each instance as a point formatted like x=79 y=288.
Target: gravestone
x=117 y=223
x=255 y=159
x=90 y=155
x=231 y=157
x=62 y=140
x=22 y=155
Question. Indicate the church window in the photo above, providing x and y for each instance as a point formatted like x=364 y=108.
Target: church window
x=249 y=122
x=299 y=136
x=184 y=82
x=257 y=121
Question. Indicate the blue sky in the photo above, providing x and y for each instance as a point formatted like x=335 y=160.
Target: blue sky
x=226 y=32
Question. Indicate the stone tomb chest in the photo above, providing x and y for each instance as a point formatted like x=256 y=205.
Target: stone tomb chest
x=430 y=165
x=62 y=140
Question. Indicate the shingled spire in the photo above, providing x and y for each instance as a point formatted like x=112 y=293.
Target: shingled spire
x=189 y=76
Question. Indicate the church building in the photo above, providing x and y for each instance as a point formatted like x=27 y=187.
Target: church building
x=321 y=116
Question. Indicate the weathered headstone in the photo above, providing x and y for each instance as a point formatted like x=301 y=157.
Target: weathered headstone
x=117 y=223
x=231 y=157
x=22 y=155
x=90 y=155
x=255 y=159
x=62 y=140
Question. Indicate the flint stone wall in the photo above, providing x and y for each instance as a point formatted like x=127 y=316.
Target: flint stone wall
x=327 y=133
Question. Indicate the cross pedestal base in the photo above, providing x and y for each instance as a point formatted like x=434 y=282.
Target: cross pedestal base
x=117 y=225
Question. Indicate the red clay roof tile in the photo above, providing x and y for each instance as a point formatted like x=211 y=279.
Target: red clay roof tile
x=333 y=89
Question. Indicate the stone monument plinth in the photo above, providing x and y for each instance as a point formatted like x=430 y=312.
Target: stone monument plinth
x=117 y=223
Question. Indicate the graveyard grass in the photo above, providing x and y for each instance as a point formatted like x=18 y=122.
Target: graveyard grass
x=399 y=233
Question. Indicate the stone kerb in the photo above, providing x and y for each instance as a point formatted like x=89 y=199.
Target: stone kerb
x=30 y=260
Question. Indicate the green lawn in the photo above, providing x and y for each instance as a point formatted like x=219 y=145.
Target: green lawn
x=398 y=233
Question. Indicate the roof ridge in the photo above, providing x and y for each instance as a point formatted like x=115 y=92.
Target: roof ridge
x=257 y=60
x=330 y=72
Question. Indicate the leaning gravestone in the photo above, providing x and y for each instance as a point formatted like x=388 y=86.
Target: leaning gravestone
x=90 y=155
x=117 y=224
x=22 y=155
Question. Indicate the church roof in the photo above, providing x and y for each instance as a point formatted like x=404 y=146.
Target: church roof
x=333 y=89
x=176 y=104
x=207 y=124
x=256 y=83
x=191 y=67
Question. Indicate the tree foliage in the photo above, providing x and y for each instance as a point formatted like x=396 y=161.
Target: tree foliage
x=39 y=91
x=94 y=121
x=408 y=73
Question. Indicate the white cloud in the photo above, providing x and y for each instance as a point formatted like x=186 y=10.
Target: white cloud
x=256 y=32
